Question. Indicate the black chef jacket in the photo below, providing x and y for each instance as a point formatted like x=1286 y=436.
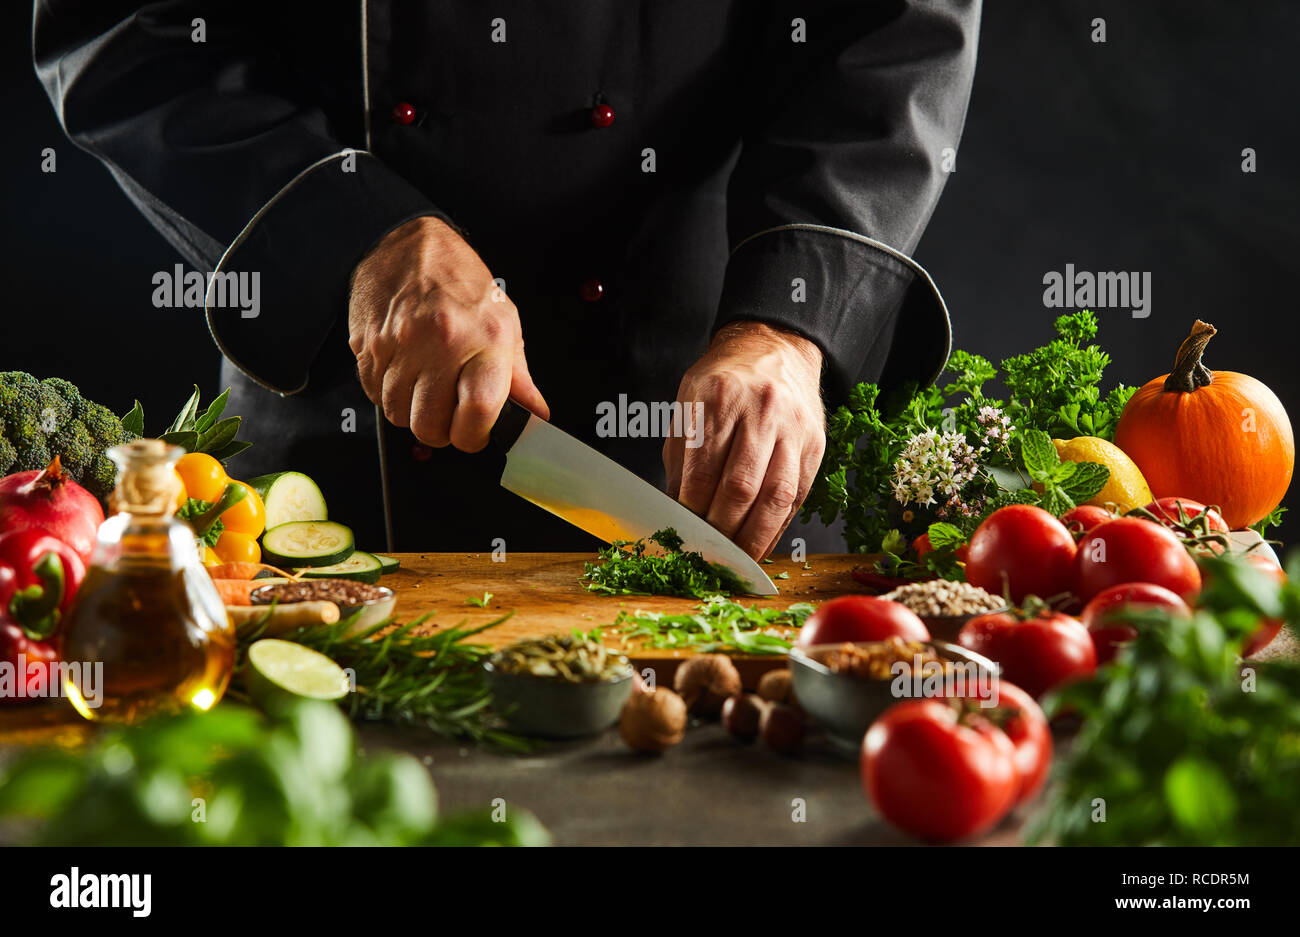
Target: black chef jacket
x=636 y=172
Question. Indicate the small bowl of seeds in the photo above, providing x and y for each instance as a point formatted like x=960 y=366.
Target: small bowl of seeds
x=559 y=686
x=945 y=606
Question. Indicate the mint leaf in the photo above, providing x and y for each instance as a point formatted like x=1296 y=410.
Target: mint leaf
x=1063 y=472
x=1088 y=479
x=1055 y=501
x=1039 y=453
x=944 y=536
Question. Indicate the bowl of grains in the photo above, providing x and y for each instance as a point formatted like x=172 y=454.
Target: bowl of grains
x=846 y=686
x=945 y=605
x=370 y=604
x=559 y=686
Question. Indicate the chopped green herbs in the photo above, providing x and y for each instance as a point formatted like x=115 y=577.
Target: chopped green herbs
x=717 y=625
x=624 y=568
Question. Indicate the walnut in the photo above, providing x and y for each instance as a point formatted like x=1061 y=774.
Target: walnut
x=774 y=686
x=705 y=682
x=653 y=721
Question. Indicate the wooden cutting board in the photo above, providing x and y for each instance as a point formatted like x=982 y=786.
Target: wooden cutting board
x=543 y=593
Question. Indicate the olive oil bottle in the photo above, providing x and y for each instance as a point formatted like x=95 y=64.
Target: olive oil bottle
x=147 y=632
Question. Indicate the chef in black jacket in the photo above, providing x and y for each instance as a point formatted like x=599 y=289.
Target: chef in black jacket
x=711 y=202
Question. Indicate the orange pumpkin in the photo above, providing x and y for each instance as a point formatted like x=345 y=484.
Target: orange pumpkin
x=1219 y=437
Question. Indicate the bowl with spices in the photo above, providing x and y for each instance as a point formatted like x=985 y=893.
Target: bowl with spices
x=369 y=603
x=945 y=606
x=845 y=687
x=559 y=686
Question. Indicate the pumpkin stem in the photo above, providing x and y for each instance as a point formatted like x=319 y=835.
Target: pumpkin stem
x=1189 y=373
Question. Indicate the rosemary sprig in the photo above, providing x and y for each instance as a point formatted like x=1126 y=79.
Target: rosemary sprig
x=717 y=625
x=434 y=681
x=626 y=569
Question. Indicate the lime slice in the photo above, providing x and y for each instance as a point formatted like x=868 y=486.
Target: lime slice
x=281 y=670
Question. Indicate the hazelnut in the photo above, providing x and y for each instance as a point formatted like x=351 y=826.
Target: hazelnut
x=653 y=721
x=782 y=728
x=774 y=686
x=704 y=682
x=741 y=714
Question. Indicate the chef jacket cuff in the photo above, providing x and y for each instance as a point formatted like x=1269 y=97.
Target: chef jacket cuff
x=298 y=253
x=874 y=312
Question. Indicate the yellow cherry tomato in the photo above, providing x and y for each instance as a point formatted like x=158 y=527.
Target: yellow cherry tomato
x=248 y=516
x=182 y=497
x=210 y=557
x=203 y=476
x=233 y=547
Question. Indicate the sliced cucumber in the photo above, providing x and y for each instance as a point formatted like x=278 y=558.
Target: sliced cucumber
x=307 y=543
x=361 y=566
x=290 y=496
x=387 y=564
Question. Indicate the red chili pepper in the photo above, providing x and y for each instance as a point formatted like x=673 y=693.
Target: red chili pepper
x=39 y=575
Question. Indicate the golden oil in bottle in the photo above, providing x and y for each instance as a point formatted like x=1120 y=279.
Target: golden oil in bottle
x=147 y=632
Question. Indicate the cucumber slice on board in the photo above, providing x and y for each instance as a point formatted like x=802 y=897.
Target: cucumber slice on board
x=307 y=543
x=290 y=496
x=387 y=564
x=280 y=671
x=360 y=566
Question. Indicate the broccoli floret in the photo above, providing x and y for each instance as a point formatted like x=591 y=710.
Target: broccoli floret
x=42 y=419
x=33 y=456
x=102 y=424
x=100 y=477
x=75 y=448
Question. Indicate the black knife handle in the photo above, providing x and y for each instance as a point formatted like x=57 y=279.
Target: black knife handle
x=509 y=425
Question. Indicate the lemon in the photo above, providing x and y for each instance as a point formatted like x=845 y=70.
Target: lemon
x=1126 y=488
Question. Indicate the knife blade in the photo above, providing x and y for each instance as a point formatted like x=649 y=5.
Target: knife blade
x=573 y=481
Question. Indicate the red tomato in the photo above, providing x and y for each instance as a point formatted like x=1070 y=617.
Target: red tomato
x=1167 y=510
x=1271 y=626
x=1130 y=549
x=1023 y=548
x=1109 y=635
x=1016 y=714
x=1037 y=654
x=938 y=775
x=1084 y=518
x=861 y=618
x=922 y=545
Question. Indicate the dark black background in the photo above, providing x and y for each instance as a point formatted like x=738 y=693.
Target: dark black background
x=1117 y=156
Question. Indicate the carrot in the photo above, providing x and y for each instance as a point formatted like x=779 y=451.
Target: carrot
x=236 y=591
x=243 y=570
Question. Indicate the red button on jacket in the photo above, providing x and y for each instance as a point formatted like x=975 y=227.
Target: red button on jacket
x=591 y=290
x=403 y=114
x=602 y=115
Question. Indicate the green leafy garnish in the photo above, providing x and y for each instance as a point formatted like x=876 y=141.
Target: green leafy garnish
x=480 y=603
x=717 y=625
x=1180 y=743
x=624 y=568
x=232 y=778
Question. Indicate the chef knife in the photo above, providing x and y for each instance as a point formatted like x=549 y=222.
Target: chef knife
x=574 y=482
